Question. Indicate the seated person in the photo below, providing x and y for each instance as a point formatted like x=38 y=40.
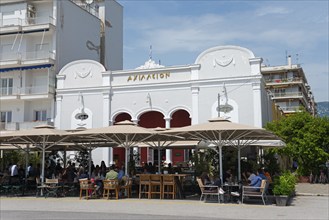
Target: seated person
x=121 y=175
x=211 y=181
x=248 y=176
x=268 y=175
x=228 y=176
x=170 y=169
x=261 y=174
x=256 y=181
x=112 y=174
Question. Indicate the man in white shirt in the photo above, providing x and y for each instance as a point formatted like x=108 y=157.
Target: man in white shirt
x=13 y=170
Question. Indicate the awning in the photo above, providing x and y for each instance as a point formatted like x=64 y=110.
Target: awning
x=26 y=67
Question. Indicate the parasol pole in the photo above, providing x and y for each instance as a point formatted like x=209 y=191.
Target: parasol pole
x=159 y=157
x=239 y=161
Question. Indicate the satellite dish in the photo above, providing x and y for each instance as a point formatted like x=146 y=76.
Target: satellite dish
x=89 y=1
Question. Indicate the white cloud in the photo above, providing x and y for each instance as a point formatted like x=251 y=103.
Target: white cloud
x=268 y=31
x=268 y=10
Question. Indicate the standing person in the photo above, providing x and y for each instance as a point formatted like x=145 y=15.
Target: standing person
x=13 y=170
x=103 y=169
x=30 y=171
x=58 y=168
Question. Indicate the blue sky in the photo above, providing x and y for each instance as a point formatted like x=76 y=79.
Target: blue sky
x=180 y=30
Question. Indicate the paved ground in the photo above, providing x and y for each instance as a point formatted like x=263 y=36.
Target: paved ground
x=302 y=207
x=307 y=189
x=28 y=208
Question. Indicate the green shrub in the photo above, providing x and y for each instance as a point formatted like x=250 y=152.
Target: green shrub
x=285 y=184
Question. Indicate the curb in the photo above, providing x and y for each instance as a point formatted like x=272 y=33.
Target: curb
x=311 y=194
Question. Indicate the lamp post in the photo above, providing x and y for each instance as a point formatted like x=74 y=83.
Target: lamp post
x=218 y=107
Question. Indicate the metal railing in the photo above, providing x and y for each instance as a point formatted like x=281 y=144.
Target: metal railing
x=290 y=108
x=23 y=56
x=11 y=126
x=29 y=90
x=287 y=94
x=8 y=22
x=284 y=80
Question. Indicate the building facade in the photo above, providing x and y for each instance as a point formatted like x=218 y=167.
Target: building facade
x=289 y=89
x=225 y=78
x=38 y=38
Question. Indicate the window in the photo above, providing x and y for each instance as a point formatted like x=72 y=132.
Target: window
x=6 y=86
x=40 y=115
x=5 y=116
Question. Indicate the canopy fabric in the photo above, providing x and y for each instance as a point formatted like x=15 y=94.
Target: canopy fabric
x=219 y=132
x=125 y=134
x=42 y=136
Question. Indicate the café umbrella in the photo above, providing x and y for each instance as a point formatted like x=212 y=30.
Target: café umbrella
x=125 y=134
x=218 y=132
x=43 y=137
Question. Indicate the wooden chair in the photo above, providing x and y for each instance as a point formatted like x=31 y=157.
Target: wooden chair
x=155 y=185
x=168 y=185
x=208 y=190
x=145 y=185
x=127 y=186
x=260 y=192
x=87 y=186
x=109 y=186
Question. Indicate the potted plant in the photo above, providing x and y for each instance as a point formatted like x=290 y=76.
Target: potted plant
x=284 y=188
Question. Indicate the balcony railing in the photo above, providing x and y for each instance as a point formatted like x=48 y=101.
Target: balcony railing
x=11 y=126
x=287 y=94
x=10 y=22
x=290 y=109
x=285 y=80
x=32 y=90
x=26 y=56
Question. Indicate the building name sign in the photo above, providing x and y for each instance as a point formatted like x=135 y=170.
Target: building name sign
x=146 y=77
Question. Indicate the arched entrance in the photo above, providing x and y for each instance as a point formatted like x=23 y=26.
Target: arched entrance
x=180 y=118
x=119 y=152
x=151 y=119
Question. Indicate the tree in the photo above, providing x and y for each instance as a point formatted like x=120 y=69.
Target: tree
x=307 y=140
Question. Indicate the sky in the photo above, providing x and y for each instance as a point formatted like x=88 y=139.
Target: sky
x=181 y=30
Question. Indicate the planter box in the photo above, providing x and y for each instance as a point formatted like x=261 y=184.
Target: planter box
x=304 y=179
x=281 y=200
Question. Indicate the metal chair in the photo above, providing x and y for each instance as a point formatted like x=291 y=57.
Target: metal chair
x=208 y=190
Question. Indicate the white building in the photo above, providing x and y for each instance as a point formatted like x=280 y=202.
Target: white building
x=37 y=38
x=158 y=96
x=288 y=87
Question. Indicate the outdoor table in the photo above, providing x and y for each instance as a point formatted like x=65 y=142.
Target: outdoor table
x=229 y=188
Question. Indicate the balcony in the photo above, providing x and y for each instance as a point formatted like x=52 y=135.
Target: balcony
x=273 y=82
x=21 y=59
x=290 y=109
x=11 y=126
x=285 y=95
x=26 y=25
x=33 y=92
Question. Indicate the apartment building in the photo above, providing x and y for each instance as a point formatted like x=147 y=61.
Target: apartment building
x=38 y=38
x=288 y=87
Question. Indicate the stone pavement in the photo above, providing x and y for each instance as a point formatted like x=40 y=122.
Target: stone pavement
x=71 y=208
x=307 y=189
